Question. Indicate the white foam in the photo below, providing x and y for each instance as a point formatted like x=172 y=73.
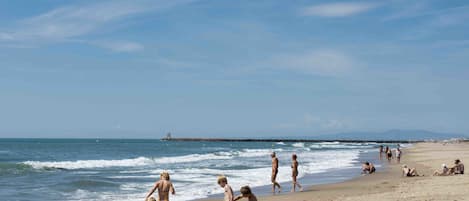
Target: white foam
x=280 y=143
x=299 y=144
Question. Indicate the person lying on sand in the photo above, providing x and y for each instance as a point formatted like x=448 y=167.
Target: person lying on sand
x=164 y=186
x=223 y=182
x=246 y=193
x=409 y=172
x=368 y=168
x=444 y=171
x=294 y=168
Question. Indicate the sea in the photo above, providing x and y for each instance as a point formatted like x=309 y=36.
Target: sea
x=125 y=169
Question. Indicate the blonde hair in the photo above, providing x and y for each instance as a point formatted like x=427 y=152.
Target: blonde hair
x=222 y=178
x=165 y=175
x=151 y=199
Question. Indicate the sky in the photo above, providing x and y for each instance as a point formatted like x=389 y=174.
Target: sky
x=141 y=68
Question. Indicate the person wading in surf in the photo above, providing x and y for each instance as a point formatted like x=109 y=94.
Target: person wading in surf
x=164 y=187
x=274 y=173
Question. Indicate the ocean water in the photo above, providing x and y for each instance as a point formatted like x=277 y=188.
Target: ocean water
x=124 y=170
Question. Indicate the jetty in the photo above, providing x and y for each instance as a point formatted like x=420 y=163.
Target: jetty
x=285 y=140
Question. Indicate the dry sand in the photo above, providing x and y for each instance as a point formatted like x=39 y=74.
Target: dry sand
x=389 y=185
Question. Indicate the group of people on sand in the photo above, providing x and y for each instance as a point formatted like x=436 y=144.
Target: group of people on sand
x=388 y=153
x=165 y=186
x=457 y=168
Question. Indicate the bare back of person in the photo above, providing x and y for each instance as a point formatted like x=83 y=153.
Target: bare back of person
x=164 y=187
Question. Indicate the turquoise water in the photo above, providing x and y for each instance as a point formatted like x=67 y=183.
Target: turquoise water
x=122 y=170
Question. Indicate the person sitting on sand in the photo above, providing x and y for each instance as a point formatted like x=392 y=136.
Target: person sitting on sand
x=294 y=167
x=444 y=171
x=246 y=193
x=274 y=173
x=459 y=167
x=409 y=172
x=223 y=182
x=368 y=167
x=164 y=186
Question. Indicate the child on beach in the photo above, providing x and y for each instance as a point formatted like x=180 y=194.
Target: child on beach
x=223 y=182
x=388 y=154
x=164 y=187
x=151 y=199
x=458 y=167
x=294 y=167
x=246 y=193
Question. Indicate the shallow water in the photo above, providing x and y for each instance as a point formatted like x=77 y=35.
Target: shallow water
x=118 y=170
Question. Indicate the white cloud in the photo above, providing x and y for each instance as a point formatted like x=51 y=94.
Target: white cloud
x=120 y=46
x=69 y=23
x=337 y=9
x=318 y=62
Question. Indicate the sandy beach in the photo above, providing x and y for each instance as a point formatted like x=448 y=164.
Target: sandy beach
x=388 y=184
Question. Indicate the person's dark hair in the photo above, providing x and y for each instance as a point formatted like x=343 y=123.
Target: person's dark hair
x=457 y=161
x=367 y=163
x=294 y=156
x=245 y=190
x=272 y=154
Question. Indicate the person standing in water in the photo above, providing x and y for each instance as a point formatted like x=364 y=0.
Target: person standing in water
x=398 y=154
x=294 y=168
x=274 y=173
x=223 y=182
x=164 y=187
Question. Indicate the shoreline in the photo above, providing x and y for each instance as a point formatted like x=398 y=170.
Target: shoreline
x=289 y=140
x=389 y=185
x=339 y=175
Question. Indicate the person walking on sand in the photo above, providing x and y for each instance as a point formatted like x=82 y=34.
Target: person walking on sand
x=164 y=186
x=246 y=193
x=223 y=182
x=294 y=168
x=274 y=173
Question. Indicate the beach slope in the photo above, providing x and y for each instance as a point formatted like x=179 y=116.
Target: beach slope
x=390 y=185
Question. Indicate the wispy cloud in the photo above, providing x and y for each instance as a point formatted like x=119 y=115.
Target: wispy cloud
x=337 y=9
x=317 y=62
x=66 y=24
x=120 y=46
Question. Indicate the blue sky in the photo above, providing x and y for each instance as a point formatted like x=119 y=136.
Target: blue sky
x=142 y=68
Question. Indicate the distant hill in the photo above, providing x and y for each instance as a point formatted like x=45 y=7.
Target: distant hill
x=392 y=135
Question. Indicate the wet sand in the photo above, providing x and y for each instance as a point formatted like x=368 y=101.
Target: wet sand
x=388 y=184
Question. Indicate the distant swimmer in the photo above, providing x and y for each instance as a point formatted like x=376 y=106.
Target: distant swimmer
x=223 y=182
x=246 y=193
x=164 y=186
x=368 y=168
x=274 y=173
x=294 y=168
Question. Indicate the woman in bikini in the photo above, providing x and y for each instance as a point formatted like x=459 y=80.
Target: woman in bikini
x=294 y=168
x=164 y=187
